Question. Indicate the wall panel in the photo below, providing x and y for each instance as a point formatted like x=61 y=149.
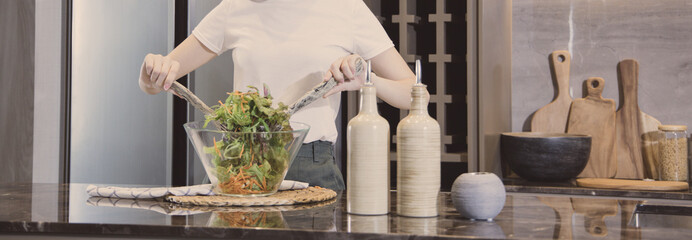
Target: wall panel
x=17 y=19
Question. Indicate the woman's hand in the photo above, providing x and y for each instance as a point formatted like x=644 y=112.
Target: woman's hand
x=344 y=72
x=158 y=73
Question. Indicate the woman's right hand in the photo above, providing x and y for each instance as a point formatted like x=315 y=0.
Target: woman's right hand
x=157 y=73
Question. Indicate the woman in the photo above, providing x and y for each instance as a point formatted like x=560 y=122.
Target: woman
x=291 y=45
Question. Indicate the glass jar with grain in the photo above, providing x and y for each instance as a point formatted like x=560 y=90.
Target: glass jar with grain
x=672 y=161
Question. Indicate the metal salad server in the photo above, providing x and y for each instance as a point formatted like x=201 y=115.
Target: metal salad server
x=310 y=96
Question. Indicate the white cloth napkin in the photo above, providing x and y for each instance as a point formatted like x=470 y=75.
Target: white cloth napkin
x=137 y=193
x=291 y=185
x=123 y=192
x=152 y=205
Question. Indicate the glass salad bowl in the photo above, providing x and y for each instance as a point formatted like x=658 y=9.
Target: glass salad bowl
x=244 y=219
x=245 y=163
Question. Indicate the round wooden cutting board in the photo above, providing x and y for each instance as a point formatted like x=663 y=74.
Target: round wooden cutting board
x=632 y=184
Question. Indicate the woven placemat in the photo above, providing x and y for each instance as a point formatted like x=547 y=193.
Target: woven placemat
x=277 y=208
x=289 y=197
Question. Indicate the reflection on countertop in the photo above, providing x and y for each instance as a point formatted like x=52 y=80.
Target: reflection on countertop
x=53 y=209
x=570 y=188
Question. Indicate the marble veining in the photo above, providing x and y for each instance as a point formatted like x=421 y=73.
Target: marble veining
x=599 y=34
x=525 y=215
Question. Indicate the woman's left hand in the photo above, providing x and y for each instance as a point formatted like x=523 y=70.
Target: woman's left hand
x=344 y=72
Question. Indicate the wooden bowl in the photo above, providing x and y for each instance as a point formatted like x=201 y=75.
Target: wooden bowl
x=539 y=156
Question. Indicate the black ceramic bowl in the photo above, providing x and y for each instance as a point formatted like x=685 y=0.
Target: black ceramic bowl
x=545 y=156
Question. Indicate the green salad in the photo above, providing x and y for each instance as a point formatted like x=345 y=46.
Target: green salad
x=252 y=157
x=249 y=219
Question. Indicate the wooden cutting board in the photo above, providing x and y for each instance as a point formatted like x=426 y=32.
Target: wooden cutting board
x=595 y=116
x=631 y=125
x=627 y=209
x=626 y=184
x=595 y=210
x=563 y=215
x=553 y=117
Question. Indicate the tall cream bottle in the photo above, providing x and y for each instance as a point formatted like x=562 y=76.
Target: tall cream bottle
x=367 y=186
x=418 y=157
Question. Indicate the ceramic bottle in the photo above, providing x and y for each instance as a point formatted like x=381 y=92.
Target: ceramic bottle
x=367 y=186
x=418 y=157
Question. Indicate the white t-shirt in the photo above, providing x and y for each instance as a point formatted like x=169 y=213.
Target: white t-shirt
x=289 y=44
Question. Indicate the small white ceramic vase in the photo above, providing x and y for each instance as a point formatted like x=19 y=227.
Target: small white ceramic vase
x=488 y=230
x=478 y=195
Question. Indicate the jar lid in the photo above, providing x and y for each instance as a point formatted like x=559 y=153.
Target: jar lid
x=672 y=128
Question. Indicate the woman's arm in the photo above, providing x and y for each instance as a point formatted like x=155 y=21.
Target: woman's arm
x=158 y=72
x=393 y=78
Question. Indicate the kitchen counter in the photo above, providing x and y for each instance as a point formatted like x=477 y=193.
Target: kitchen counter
x=33 y=211
x=571 y=188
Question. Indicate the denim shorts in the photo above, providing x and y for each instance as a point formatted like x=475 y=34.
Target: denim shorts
x=316 y=165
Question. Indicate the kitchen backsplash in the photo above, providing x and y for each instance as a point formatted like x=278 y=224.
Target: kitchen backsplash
x=598 y=35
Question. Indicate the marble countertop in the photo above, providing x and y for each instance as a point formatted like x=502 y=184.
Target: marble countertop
x=571 y=188
x=66 y=210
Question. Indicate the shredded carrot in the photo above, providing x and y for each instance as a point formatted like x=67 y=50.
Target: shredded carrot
x=217 y=148
x=242 y=182
x=241 y=151
x=256 y=183
x=235 y=187
x=224 y=106
x=255 y=221
x=264 y=183
x=242 y=177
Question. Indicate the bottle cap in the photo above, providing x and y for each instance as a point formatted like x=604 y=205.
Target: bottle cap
x=418 y=73
x=672 y=128
x=368 y=70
